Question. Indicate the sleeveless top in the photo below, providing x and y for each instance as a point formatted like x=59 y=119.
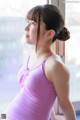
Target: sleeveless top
x=36 y=96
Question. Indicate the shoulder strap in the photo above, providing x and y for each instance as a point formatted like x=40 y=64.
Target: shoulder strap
x=46 y=60
x=51 y=54
x=28 y=61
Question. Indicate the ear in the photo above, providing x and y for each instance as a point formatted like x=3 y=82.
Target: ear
x=50 y=34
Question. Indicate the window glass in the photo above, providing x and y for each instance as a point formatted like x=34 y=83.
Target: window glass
x=72 y=47
x=12 y=24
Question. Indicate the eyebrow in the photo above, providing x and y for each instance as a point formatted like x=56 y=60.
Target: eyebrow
x=30 y=20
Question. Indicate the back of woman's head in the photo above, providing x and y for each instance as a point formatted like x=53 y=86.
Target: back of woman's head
x=53 y=19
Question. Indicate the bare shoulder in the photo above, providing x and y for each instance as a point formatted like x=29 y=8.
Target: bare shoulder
x=56 y=69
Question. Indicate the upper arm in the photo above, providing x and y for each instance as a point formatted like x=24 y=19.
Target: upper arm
x=60 y=80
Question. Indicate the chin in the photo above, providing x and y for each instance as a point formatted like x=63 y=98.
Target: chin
x=29 y=42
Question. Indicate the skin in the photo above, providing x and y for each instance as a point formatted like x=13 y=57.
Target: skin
x=55 y=70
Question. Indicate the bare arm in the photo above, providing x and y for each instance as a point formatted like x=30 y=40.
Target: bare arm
x=60 y=80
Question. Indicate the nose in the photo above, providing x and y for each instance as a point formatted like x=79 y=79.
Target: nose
x=27 y=27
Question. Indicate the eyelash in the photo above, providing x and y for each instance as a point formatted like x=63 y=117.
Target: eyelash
x=30 y=22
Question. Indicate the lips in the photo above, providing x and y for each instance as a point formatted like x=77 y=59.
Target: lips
x=26 y=35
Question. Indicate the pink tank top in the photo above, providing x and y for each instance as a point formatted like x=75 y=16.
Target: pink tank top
x=36 y=97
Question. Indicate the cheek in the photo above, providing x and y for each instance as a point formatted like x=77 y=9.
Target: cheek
x=33 y=34
x=42 y=31
x=42 y=35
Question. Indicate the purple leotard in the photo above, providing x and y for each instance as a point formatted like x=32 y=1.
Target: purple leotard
x=36 y=97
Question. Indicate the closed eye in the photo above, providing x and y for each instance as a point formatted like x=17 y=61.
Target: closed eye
x=31 y=22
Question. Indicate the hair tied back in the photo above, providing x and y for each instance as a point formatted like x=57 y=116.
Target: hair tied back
x=64 y=34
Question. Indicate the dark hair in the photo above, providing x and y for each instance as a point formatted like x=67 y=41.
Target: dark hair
x=52 y=18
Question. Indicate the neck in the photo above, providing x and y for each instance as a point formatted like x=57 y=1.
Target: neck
x=42 y=51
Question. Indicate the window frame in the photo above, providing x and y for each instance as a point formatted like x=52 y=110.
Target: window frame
x=59 y=48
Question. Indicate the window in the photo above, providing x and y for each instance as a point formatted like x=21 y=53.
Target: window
x=12 y=24
x=69 y=51
x=72 y=48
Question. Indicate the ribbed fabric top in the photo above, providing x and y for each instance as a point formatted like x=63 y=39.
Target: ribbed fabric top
x=36 y=97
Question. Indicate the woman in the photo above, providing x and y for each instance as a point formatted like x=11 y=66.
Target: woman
x=44 y=77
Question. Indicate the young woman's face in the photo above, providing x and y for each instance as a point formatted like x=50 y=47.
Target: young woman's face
x=31 y=32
